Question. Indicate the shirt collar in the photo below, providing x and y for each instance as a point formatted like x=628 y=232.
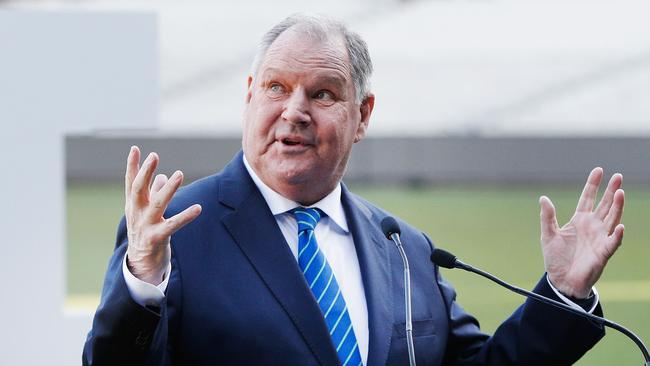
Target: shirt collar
x=330 y=204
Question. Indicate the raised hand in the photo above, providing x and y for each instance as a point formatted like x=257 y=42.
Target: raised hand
x=149 y=252
x=576 y=254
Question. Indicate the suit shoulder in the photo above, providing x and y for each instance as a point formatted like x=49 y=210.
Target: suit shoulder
x=380 y=213
x=368 y=206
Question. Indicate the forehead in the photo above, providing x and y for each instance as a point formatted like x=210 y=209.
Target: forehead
x=298 y=52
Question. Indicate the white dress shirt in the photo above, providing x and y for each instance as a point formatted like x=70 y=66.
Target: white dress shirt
x=335 y=241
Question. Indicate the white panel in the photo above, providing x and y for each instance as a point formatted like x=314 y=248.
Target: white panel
x=59 y=72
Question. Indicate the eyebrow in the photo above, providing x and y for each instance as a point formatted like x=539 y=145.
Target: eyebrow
x=336 y=81
x=328 y=78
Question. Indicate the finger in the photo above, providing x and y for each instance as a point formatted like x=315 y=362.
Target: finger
x=160 y=200
x=548 y=219
x=615 y=240
x=588 y=196
x=142 y=180
x=174 y=223
x=615 y=213
x=158 y=182
x=132 y=167
x=615 y=182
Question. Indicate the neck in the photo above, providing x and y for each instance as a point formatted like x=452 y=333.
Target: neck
x=305 y=193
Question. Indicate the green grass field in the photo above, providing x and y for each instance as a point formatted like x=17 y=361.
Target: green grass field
x=494 y=228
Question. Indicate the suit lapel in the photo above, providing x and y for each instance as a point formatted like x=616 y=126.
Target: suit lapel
x=256 y=232
x=372 y=250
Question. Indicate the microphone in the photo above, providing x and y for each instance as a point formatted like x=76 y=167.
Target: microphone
x=445 y=259
x=391 y=230
x=390 y=227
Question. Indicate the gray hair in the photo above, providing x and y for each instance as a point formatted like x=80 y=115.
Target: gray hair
x=321 y=28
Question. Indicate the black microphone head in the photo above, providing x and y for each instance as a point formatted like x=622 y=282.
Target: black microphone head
x=443 y=258
x=390 y=226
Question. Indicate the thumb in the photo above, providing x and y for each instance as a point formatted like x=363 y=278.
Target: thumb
x=547 y=217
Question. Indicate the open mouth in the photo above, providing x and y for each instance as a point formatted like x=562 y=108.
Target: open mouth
x=290 y=142
x=294 y=141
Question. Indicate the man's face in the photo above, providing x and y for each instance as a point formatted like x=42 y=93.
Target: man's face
x=301 y=116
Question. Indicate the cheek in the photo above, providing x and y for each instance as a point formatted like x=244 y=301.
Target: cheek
x=338 y=136
x=261 y=120
x=255 y=134
x=348 y=127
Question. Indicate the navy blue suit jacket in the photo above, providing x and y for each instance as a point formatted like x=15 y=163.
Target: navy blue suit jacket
x=236 y=296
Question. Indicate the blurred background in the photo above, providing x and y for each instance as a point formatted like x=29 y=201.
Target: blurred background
x=482 y=106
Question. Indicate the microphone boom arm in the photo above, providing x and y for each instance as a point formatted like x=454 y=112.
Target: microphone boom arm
x=594 y=318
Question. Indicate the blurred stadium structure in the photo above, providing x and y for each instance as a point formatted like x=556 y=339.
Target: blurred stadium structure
x=466 y=70
x=480 y=68
x=462 y=70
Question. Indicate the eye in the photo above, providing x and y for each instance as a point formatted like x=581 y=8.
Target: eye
x=276 y=88
x=324 y=95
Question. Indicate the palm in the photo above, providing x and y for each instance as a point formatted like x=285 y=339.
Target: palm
x=149 y=232
x=576 y=254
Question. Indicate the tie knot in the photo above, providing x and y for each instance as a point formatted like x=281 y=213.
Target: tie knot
x=307 y=218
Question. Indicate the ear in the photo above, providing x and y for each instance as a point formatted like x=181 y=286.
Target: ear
x=249 y=92
x=365 y=108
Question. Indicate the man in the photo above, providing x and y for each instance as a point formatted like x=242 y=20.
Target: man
x=274 y=262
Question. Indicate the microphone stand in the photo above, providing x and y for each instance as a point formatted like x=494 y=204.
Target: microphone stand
x=407 y=298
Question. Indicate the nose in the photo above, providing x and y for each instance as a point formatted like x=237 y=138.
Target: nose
x=296 y=108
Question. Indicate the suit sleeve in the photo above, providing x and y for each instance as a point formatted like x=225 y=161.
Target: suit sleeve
x=124 y=332
x=535 y=334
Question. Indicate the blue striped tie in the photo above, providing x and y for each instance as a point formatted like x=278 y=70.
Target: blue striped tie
x=323 y=285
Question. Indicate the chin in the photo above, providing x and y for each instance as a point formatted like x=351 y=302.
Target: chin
x=296 y=176
x=296 y=173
